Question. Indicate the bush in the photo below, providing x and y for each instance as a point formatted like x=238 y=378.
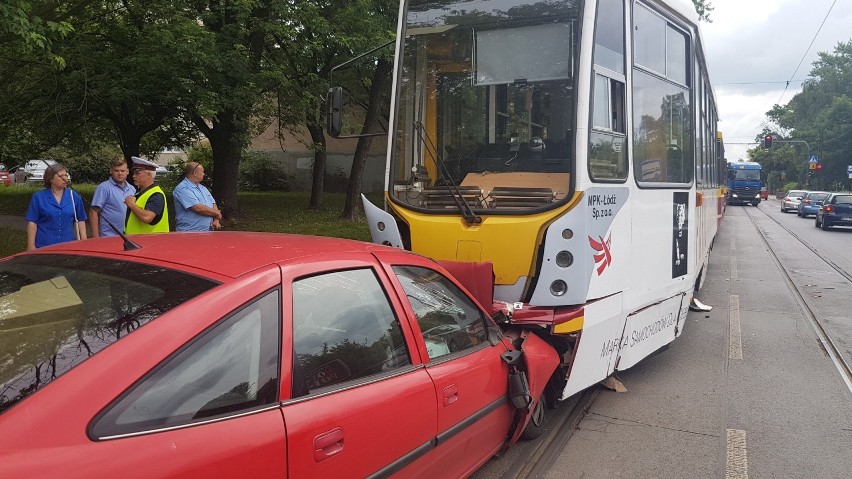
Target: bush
x=259 y=172
x=790 y=186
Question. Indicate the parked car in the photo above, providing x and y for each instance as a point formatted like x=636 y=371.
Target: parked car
x=32 y=171
x=810 y=203
x=791 y=200
x=289 y=356
x=5 y=177
x=836 y=210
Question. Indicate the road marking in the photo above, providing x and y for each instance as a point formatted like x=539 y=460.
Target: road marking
x=735 y=343
x=736 y=463
x=733 y=267
x=733 y=244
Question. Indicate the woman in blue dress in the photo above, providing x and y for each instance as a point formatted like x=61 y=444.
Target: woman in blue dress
x=56 y=213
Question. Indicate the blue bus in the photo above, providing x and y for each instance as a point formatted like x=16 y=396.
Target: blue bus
x=744 y=183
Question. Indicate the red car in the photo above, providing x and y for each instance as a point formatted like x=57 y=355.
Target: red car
x=5 y=177
x=223 y=355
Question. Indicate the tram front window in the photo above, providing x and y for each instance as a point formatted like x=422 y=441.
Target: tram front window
x=486 y=103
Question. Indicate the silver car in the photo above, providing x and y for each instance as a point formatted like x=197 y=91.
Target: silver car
x=791 y=200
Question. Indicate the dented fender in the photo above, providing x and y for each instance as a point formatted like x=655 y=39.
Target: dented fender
x=539 y=361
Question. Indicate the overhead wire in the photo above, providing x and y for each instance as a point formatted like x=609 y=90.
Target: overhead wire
x=806 y=51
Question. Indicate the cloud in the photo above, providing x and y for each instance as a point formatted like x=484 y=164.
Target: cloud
x=754 y=47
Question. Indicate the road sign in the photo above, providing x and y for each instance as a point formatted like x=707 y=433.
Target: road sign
x=849 y=171
x=812 y=162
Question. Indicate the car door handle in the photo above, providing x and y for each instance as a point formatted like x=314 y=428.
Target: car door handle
x=328 y=444
x=451 y=394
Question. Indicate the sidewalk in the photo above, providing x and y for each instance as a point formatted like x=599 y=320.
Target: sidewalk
x=13 y=222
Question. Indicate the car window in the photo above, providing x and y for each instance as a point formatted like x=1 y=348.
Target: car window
x=817 y=196
x=449 y=320
x=231 y=368
x=56 y=311
x=842 y=200
x=344 y=329
x=796 y=193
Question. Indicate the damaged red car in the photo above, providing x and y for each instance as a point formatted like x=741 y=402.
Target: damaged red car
x=224 y=355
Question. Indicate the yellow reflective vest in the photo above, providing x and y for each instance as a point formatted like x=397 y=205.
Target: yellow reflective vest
x=136 y=226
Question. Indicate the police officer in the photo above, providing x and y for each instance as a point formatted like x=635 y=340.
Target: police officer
x=146 y=210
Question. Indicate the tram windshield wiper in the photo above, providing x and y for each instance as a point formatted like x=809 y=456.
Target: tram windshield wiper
x=458 y=199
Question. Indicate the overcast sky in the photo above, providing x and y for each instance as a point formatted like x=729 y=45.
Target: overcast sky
x=761 y=42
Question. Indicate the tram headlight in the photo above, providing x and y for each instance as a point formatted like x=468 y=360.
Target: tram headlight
x=558 y=288
x=564 y=259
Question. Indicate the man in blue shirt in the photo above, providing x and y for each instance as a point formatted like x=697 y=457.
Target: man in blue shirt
x=195 y=208
x=108 y=203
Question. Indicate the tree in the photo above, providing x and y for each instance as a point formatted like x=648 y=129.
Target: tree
x=821 y=114
x=703 y=8
x=322 y=35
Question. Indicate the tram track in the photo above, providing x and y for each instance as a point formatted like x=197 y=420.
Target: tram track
x=548 y=447
x=826 y=342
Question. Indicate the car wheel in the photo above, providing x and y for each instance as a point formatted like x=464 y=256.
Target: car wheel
x=825 y=226
x=536 y=425
x=816 y=221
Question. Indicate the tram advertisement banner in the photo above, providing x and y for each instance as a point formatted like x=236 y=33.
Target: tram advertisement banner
x=680 y=236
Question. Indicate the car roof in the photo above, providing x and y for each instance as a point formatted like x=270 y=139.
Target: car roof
x=227 y=253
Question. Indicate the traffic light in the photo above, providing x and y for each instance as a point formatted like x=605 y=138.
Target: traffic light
x=767 y=141
x=818 y=167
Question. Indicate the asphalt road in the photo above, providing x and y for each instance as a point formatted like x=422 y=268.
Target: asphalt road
x=761 y=400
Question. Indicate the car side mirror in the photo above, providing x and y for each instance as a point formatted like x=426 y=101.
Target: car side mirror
x=334 y=117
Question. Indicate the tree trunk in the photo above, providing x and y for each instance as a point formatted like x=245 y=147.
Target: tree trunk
x=227 y=151
x=318 y=137
x=371 y=121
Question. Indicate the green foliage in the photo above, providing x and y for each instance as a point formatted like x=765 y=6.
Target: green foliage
x=33 y=27
x=793 y=185
x=703 y=8
x=821 y=115
x=259 y=172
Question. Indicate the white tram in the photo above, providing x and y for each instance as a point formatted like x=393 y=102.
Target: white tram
x=571 y=148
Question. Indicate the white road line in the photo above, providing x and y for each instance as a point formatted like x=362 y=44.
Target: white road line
x=733 y=244
x=735 y=344
x=736 y=463
x=734 y=267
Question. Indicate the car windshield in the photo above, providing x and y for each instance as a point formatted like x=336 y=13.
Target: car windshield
x=843 y=200
x=796 y=194
x=56 y=311
x=817 y=196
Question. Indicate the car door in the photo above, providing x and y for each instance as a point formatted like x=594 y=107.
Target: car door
x=470 y=378
x=358 y=401
x=192 y=394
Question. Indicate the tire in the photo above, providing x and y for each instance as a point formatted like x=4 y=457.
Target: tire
x=816 y=221
x=539 y=417
x=783 y=210
x=825 y=226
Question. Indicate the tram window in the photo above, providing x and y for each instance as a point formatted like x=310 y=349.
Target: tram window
x=662 y=131
x=676 y=55
x=609 y=35
x=607 y=156
x=649 y=42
